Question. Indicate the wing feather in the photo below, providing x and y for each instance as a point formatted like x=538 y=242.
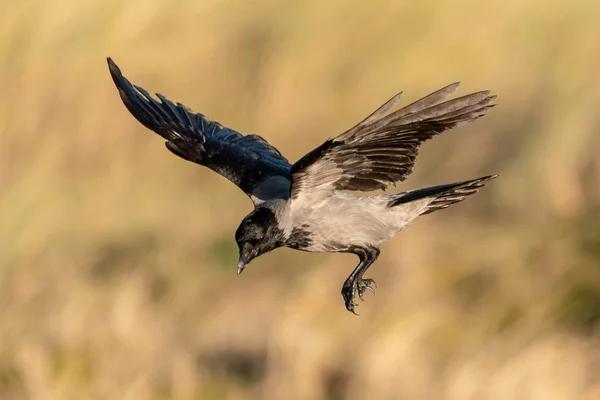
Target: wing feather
x=246 y=160
x=382 y=149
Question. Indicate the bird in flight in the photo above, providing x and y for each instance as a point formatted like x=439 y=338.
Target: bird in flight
x=306 y=205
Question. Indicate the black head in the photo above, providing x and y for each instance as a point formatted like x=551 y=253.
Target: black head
x=257 y=234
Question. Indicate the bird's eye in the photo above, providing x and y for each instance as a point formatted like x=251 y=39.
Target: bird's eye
x=257 y=240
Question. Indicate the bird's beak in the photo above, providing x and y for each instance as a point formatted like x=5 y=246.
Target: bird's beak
x=247 y=254
x=245 y=258
x=241 y=266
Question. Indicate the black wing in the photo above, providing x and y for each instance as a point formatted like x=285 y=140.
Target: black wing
x=246 y=160
x=382 y=149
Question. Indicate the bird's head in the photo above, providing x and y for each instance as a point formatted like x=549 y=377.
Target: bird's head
x=257 y=234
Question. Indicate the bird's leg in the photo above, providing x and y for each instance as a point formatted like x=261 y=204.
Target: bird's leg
x=355 y=282
x=363 y=284
x=348 y=288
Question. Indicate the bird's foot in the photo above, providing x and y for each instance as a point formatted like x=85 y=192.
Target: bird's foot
x=350 y=289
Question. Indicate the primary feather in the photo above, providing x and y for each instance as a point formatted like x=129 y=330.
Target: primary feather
x=382 y=149
x=248 y=161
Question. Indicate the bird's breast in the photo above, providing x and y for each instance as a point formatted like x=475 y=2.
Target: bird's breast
x=338 y=222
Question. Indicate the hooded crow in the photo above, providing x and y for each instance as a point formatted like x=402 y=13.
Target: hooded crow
x=307 y=205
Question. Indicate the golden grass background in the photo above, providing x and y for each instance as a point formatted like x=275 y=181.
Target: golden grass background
x=117 y=259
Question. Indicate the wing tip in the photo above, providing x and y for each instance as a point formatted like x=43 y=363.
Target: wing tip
x=481 y=182
x=484 y=94
x=113 y=68
x=451 y=88
x=115 y=73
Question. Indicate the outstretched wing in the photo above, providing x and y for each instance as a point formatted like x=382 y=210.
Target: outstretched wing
x=382 y=149
x=246 y=160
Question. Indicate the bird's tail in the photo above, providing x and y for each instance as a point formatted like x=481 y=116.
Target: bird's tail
x=442 y=196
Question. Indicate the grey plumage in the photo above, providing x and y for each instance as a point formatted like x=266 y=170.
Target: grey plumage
x=382 y=149
x=306 y=205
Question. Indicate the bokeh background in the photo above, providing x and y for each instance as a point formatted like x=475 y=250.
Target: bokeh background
x=117 y=259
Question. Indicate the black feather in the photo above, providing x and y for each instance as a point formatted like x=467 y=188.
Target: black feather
x=299 y=238
x=443 y=195
x=246 y=160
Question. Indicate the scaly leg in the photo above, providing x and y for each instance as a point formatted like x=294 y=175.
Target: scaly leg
x=355 y=282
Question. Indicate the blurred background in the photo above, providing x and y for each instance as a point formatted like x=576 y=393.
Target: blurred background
x=117 y=259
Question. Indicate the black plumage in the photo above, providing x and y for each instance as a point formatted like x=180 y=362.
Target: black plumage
x=246 y=160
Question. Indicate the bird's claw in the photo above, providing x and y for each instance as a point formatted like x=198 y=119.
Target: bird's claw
x=362 y=285
x=350 y=290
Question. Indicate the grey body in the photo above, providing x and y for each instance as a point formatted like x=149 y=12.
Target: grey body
x=343 y=220
x=307 y=205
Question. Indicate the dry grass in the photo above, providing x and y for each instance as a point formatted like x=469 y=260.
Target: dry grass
x=117 y=260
